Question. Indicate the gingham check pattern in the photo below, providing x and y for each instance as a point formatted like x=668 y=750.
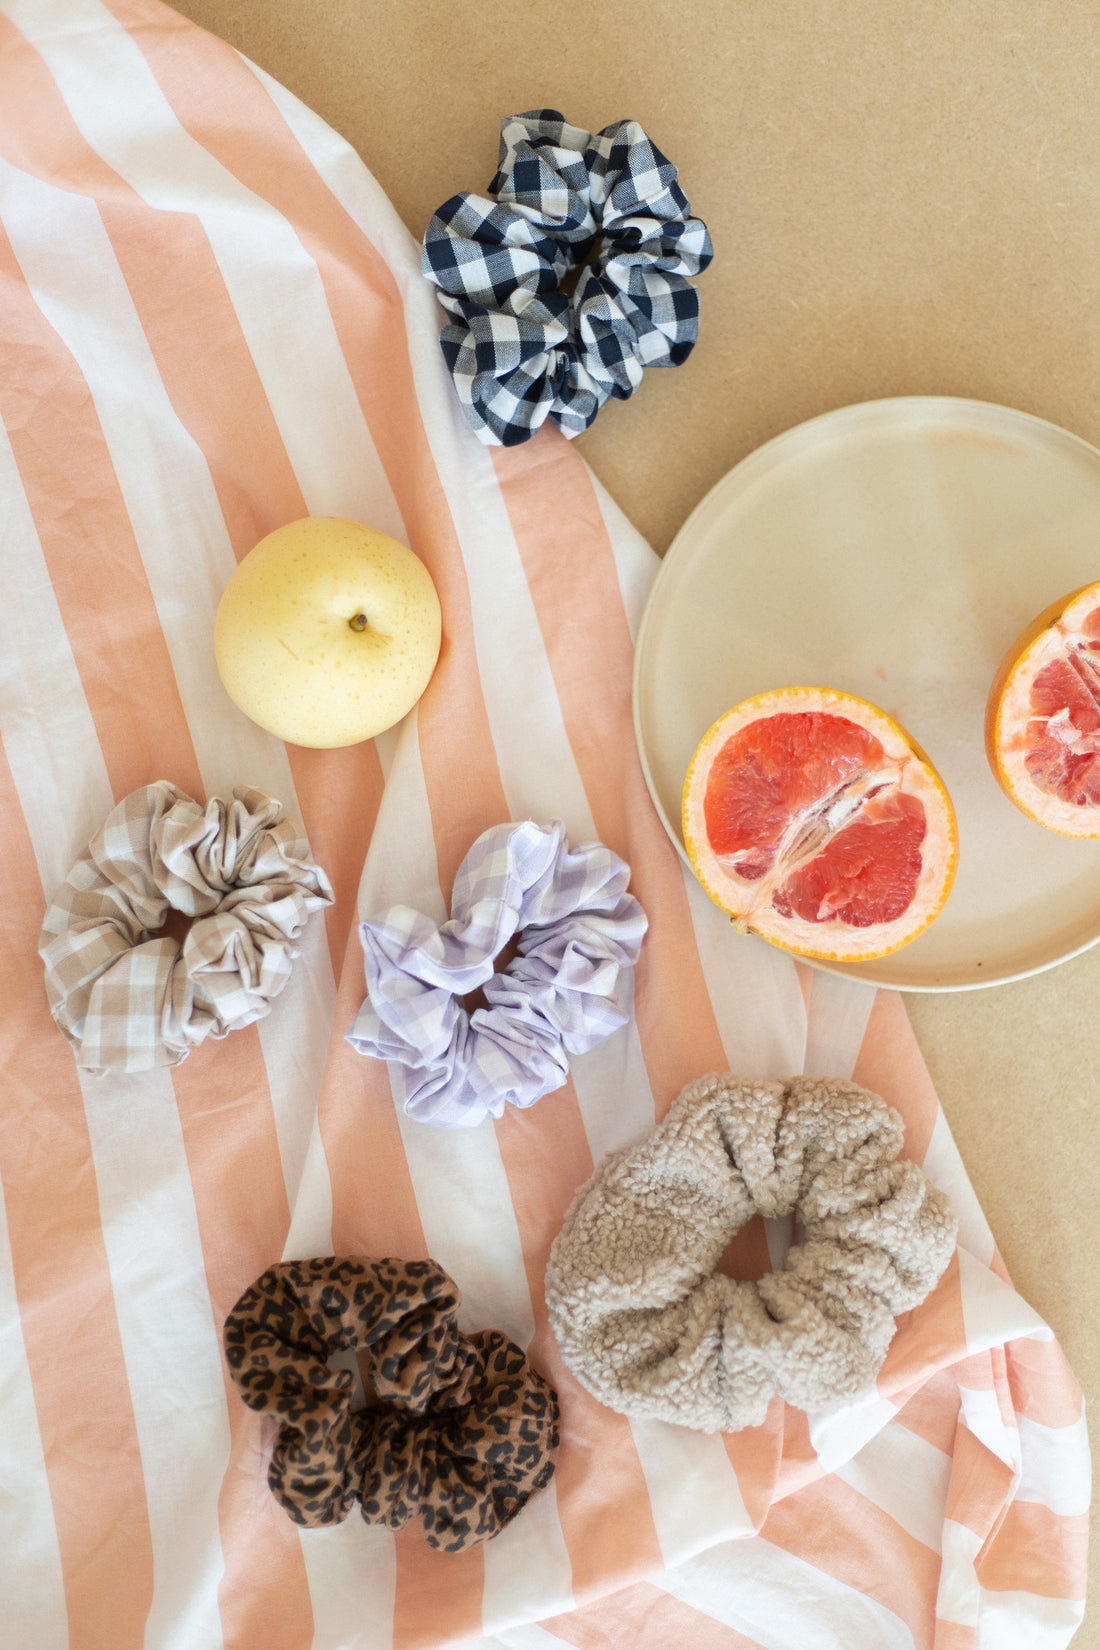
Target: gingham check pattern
x=577 y=930
x=130 y=1001
x=518 y=349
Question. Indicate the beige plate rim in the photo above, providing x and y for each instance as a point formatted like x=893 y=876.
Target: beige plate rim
x=765 y=463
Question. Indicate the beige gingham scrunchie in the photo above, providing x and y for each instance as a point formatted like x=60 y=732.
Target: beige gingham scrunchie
x=649 y=1327
x=130 y=1000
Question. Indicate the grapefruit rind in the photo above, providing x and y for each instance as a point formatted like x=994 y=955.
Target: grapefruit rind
x=828 y=941
x=1008 y=711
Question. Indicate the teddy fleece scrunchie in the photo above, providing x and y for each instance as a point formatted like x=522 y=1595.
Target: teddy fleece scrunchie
x=577 y=933
x=649 y=1327
x=465 y=1432
x=519 y=348
x=130 y=1000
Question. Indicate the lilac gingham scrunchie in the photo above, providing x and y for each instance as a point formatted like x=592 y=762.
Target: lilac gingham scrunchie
x=519 y=350
x=576 y=929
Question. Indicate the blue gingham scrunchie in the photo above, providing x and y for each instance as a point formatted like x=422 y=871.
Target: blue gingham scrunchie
x=519 y=349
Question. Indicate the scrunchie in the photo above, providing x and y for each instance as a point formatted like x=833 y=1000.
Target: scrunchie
x=649 y=1327
x=576 y=929
x=130 y=1001
x=519 y=350
x=467 y=1431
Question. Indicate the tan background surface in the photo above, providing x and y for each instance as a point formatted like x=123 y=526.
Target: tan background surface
x=903 y=201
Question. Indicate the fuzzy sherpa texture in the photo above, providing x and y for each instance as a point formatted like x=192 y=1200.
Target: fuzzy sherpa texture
x=649 y=1327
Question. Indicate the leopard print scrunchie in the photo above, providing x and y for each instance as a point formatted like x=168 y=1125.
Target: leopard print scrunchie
x=466 y=1432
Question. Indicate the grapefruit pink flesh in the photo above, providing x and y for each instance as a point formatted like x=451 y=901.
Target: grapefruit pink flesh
x=1064 y=732
x=1043 y=721
x=812 y=818
x=801 y=795
x=867 y=873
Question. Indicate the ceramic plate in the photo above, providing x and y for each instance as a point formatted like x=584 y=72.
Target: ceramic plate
x=893 y=549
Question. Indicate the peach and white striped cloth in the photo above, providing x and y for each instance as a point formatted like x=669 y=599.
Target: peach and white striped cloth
x=213 y=322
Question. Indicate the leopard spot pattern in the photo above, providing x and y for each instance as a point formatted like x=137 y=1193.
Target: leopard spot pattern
x=466 y=1431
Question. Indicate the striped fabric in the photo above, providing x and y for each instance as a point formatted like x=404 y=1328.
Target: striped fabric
x=212 y=322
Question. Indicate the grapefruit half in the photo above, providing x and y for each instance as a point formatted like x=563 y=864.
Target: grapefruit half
x=1042 y=725
x=815 y=821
